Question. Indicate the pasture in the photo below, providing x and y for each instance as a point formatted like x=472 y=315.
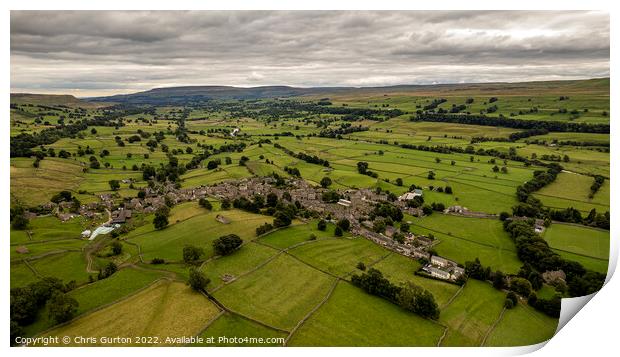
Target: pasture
x=165 y=309
x=279 y=293
x=465 y=239
x=472 y=313
x=522 y=326
x=354 y=318
x=200 y=231
x=589 y=246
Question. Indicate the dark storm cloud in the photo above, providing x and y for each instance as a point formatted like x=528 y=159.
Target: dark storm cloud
x=90 y=53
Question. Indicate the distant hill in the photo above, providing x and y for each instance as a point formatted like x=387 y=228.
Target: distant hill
x=53 y=99
x=180 y=95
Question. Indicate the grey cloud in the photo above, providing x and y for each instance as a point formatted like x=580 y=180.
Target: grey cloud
x=97 y=52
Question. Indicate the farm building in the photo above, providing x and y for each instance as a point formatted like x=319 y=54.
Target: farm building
x=410 y=195
x=442 y=262
x=343 y=202
x=222 y=219
x=121 y=216
x=390 y=231
x=436 y=272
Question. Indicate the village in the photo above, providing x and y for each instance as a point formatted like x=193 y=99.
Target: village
x=355 y=206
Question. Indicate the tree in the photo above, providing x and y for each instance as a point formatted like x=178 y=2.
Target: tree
x=326 y=182
x=495 y=168
x=338 y=232
x=212 y=165
x=107 y=271
x=475 y=270
x=521 y=286
x=266 y=227
x=197 y=280
x=418 y=300
x=362 y=167
x=504 y=216
x=225 y=203
x=281 y=219
x=427 y=210
x=404 y=227
x=272 y=199
x=448 y=190
x=203 y=202
x=117 y=248
x=227 y=244
x=399 y=181
x=61 y=307
x=160 y=221
x=361 y=266
x=114 y=185
x=20 y=222
x=344 y=224
x=192 y=254
x=431 y=175
x=498 y=280
x=322 y=225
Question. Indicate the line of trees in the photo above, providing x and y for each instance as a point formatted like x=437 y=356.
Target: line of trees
x=28 y=301
x=536 y=253
x=556 y=126
x=408 y=296
x=312 y=159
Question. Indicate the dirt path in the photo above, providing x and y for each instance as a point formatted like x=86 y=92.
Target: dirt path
x=501 y=315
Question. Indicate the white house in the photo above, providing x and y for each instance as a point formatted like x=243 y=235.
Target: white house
x=410 y=195
x=438 y=273
x=343 y=202
x=435 y=260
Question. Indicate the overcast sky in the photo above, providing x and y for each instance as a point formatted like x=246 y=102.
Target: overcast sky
x=106 y=52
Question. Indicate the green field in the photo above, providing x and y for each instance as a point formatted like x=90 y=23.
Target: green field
x=572 y=190
x=279 y=293
x=101 y=293
x=471 y=315
x=589 y=246
x=465 y=239
x=522 y=326
x=200 y=230
x=339 y=256
x=166 y=309
x=354 y=318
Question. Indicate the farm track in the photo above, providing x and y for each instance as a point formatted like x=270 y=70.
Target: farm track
x=488 y=333
x=34 y=271
x=44 y=241
x=46 y=254
x=456 y=294
x=441 y=338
